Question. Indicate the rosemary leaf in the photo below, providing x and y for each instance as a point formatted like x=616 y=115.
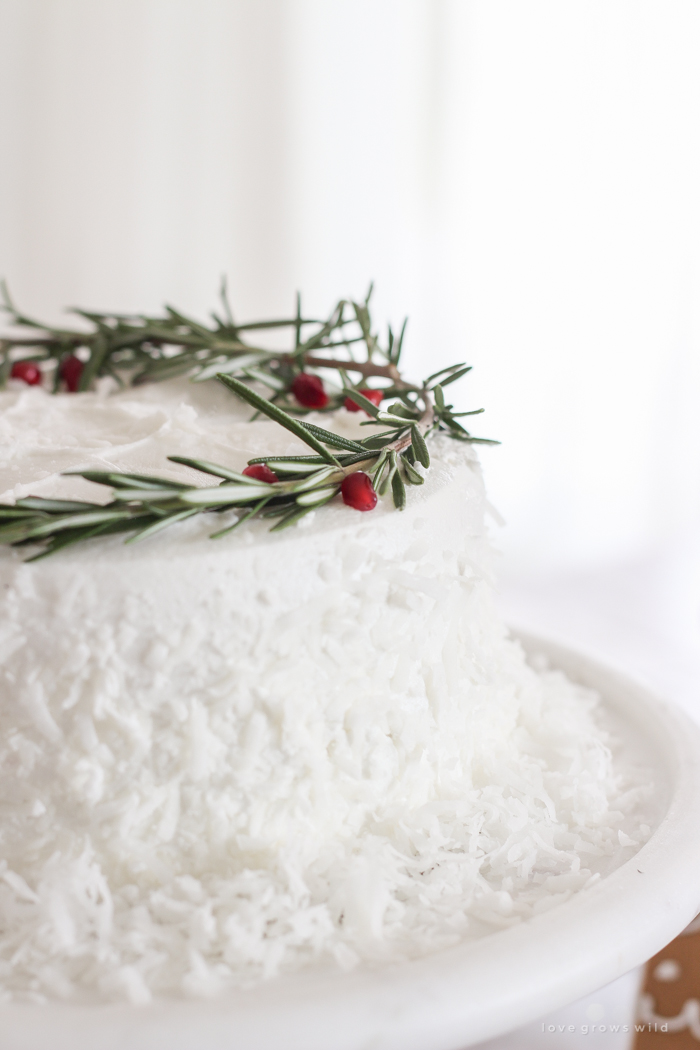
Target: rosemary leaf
x=233 y=364
x=360 y=399
x=332 y=439
x=317 y=496
x=91 y=368
x=187 y=322
x=276 y=510
x=390 y=420
x=64 y=506
x=379 y=467
x=419 y=447
x=389 y=479
x=443 y=371
x=297 y=323
x=109 y=528
x=150 y=530
x=68 y=538
x=398 y=491
x=455 y=426
x=171 y=368
x=289 y=461
x=296 y=515
x=225 y=494
x=18 y=530
x=280 y=466
x=255 y=325
x=276 y=413
x=244 y=517
x=378 y=441
x=366 y=456
x=274 y=382
x=146 y=495
x=313 y=481
x=411 y=473
x=71 y=521
x=10 y=513
x=395 y=355
x=120 y=481
x=454 y=376
x=206 y=467
x=403 y=411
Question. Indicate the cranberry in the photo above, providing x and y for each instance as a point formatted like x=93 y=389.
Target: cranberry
x=27 y=371
x=261 y=472
x=375 y=396
x=358 y=492
x=309 y=392
x=71 y=370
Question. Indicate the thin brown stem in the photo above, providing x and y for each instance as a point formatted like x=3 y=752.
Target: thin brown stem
x=365 y=368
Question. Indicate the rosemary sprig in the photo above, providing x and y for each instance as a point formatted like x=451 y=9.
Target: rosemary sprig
x=142 y=348
x=139 y=349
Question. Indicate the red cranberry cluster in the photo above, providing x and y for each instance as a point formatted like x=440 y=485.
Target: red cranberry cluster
x=261 y=472
x=70 y=369
x=27 y=371
x=358 y=492
x=309 y=392
x=357 y=489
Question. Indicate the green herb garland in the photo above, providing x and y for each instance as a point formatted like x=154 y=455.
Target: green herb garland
x=139 y=349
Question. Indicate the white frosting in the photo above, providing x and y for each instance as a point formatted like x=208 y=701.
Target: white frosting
x=134 y=431
x=219 y=759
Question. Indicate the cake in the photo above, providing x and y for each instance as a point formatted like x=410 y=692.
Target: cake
x=222 y=760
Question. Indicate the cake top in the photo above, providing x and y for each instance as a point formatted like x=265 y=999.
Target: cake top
x=44 y=438
x=130 y=431
x=284 y=482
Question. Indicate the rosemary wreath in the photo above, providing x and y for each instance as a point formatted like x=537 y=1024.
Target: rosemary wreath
x=138 y=349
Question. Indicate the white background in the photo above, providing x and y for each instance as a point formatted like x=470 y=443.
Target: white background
x=520 y=176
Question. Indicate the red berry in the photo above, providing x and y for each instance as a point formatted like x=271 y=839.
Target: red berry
x=309 y=392
x=27 y=371
x=71 y=370
x=261 y=472
x=375 y=396
x=358 y=492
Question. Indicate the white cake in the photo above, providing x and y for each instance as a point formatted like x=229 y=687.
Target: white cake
x=221 y=760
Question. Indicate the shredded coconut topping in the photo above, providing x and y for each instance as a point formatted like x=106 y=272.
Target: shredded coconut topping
x=224 y=761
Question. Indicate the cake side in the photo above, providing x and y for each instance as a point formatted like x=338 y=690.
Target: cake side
x=223 y=759
x=276 y=641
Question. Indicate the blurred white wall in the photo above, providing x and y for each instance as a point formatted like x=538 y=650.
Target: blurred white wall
x=520 y=177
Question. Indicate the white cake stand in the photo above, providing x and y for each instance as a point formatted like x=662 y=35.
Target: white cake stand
x=455 y=998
